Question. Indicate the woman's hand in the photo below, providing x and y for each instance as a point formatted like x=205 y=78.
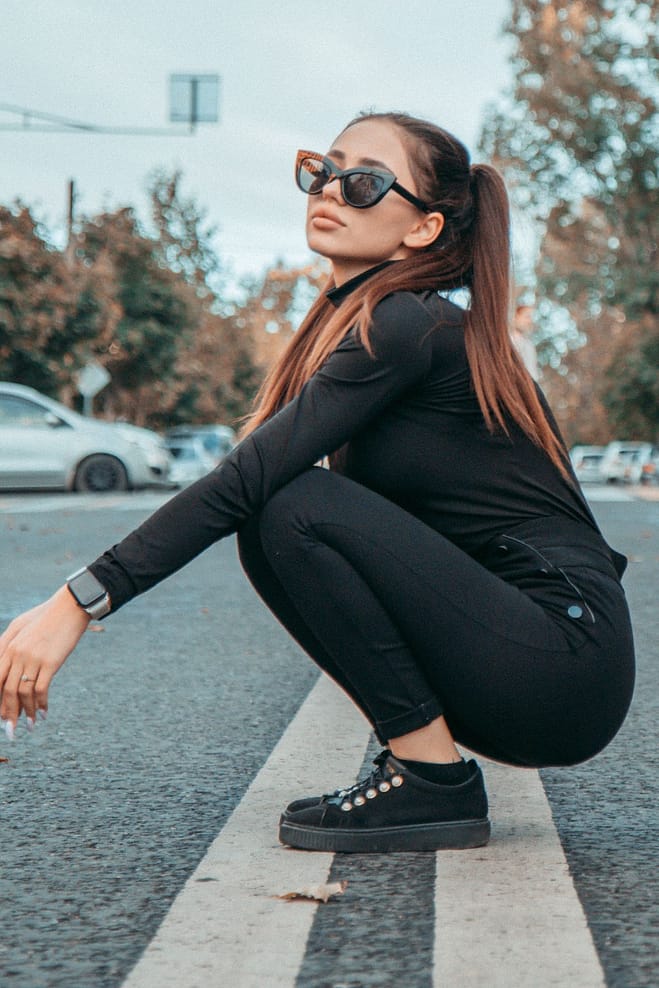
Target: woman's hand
x=32 y=649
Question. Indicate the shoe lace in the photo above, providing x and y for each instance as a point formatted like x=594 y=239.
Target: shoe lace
x=369 y=782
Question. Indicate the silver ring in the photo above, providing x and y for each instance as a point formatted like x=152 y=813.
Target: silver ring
x=26 y=679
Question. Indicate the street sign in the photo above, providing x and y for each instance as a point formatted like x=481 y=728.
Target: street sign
x=193 y=99
x=92 y=379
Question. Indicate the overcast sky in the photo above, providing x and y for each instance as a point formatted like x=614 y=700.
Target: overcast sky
x=292 y=74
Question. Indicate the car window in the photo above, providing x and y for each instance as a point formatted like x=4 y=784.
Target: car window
x=17 y=411
x=183 y=452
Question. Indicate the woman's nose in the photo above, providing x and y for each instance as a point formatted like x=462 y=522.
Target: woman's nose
x=332 y=190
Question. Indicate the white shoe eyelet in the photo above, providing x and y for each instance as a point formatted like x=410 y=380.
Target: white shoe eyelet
x=371 y=793
x=397 y=780
x=358 y=800
x=384 y=787
x=346 y=806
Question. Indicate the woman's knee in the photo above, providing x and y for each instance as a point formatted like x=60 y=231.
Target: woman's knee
x=293 y=506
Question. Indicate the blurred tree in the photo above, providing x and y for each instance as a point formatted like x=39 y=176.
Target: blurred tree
x=150 y=308
x=275 y=305
x=233 y=349
x=632 y=394
x=145 y=314
x=577 y=140
x=184 y=241
x=215 y=370
x=47 y=313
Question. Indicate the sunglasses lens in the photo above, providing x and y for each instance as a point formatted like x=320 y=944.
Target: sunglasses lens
x=362 y=189
x=312 y=175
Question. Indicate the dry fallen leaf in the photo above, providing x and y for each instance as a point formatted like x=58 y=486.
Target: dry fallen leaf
x=318 y=893
x=4 y=759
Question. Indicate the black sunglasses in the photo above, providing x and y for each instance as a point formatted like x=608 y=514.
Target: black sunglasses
x=360 y=187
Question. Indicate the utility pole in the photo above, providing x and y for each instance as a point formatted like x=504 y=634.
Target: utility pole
x=70 y=208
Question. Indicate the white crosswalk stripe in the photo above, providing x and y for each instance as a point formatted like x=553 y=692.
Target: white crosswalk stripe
x=507 y=914
x=227 y=927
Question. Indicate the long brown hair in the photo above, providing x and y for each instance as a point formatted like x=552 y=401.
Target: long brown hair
x=472 y=251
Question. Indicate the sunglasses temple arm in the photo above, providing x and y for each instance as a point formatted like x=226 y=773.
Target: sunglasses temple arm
x=411 y=198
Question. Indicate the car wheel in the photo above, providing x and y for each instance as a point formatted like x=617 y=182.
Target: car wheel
x=99 y=473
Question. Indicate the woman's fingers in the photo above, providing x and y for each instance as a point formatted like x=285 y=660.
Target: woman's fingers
x=24 y=692
x=27 y=696
x=32 y=649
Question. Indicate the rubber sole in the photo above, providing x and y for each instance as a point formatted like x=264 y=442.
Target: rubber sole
x=454 y=835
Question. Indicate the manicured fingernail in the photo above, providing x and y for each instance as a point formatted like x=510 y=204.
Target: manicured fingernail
x=30 y=723
x=42 y=713
x=9 y=730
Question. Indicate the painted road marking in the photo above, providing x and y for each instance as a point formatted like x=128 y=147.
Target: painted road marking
x=506 y=915
x=23 y=504
x=226 y=927
x=607 y=493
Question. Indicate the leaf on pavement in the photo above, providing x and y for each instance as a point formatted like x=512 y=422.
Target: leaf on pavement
x=316 y=893
x=4 y=759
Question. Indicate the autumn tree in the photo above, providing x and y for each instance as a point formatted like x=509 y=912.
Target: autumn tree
x=184 y=239
x=216 y=376
x=145 y=313
x=577 y=140
x=275 y=305
x=48 y=315
x=149 y=304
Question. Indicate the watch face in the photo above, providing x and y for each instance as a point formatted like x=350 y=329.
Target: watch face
x=86 y=588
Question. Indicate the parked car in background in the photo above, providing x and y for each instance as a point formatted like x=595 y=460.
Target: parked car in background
x=587 y=463
x=46 y=446
x=190 y=460
x=629 y=462
x=650 y=468
x=218 y=440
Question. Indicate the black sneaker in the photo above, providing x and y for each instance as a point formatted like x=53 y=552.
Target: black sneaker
x=392 y=810
x=307 y=801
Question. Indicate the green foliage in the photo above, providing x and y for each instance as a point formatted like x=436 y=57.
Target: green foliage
x=185 y=244
x=147 y=306
x=632 y=392
x=47 y=315
x=145 y=316
x=577 y=139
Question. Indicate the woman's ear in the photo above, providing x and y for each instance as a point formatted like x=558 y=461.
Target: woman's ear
x=425 y=232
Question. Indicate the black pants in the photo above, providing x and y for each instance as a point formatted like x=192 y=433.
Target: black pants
x=412 y=627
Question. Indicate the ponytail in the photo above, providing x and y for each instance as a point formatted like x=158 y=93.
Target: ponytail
x=500 y=381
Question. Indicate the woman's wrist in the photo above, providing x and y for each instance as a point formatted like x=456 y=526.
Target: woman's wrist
x=64 y=599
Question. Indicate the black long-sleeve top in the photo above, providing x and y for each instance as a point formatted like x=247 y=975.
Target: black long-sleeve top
x=409 y=427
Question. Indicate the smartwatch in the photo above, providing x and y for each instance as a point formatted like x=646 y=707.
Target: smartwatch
x=89 y=593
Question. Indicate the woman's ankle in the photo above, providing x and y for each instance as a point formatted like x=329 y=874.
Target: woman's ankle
x=432 y=743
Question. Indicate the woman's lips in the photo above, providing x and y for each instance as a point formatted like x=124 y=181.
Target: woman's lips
x=325 y=221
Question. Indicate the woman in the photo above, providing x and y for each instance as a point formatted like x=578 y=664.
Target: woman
x=447 y=571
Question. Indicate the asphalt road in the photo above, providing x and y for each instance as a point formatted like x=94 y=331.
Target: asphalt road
x=160 y=721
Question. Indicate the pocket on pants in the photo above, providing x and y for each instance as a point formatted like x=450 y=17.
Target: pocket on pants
x=537 y=573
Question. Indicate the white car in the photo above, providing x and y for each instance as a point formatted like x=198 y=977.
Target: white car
x=218 y=440
x=626 y=462
x=191 y=461
x=587 y=463
x=46 y=446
